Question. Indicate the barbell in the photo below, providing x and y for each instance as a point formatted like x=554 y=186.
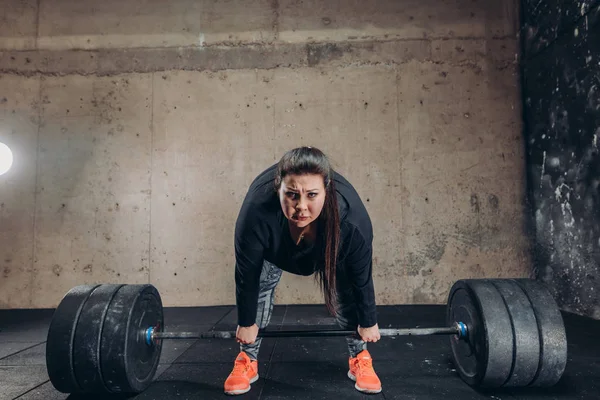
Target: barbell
x=107 y=338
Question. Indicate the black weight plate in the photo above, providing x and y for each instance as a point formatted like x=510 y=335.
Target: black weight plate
x=61 y=334
x=553 y=338
x=525 y=333
x=128 y=363
x=88 y=336
x=461 y=308
x=487 y=360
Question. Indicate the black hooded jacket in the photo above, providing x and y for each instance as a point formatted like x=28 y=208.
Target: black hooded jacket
x=261 y=233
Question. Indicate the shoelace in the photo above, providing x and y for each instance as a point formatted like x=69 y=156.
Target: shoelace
x=240 y=367
x=365 y=366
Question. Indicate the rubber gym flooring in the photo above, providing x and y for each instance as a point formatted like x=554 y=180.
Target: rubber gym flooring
x=410 y=367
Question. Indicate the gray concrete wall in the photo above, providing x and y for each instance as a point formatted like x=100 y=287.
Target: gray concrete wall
x=137 y=127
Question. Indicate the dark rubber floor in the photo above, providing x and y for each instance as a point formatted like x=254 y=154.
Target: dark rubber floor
x=299 y=368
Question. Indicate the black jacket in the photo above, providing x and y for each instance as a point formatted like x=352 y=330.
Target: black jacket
x=261 y=233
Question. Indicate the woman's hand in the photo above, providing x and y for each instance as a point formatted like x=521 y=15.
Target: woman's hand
x=369 y=334
x=246 y=335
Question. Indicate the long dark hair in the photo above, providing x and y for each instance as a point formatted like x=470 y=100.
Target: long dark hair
x=310 y=160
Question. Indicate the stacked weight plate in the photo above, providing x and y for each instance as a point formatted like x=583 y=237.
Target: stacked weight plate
x=516 y=333
x=96 y=341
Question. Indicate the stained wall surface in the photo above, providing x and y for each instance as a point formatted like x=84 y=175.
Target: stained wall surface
x=138 y=126
x=561 y=85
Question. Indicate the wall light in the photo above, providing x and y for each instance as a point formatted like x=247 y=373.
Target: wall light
x=6 y=158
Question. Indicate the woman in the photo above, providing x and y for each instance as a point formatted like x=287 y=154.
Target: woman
x=302 y=217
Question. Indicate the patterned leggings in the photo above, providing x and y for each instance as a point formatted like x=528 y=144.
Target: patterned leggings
x=346 y=315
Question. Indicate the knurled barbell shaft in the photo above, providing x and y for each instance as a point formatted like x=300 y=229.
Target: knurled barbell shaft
x=458 y=329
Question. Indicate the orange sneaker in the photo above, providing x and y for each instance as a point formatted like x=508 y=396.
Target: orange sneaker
x=245 y=372
x=362 y=372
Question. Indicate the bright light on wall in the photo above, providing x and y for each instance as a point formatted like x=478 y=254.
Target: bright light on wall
x=6 y=158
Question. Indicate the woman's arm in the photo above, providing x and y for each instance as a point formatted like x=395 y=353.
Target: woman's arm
x=250 y=242
x=359 y=264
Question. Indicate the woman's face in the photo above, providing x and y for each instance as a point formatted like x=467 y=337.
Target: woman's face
x=302 y=198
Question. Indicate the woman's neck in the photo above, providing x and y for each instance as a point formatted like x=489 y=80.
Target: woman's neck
x=306 y=234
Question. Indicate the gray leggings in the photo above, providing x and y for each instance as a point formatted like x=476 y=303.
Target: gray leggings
x=346 y=315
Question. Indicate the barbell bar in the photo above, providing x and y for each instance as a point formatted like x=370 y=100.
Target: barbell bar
x=153 y=334
x=107 y=338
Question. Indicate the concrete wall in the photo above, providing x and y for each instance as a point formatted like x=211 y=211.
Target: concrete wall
x=561 y=75
x=137 y=127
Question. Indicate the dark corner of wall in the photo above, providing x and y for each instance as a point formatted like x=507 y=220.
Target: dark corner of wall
x=560 y=77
